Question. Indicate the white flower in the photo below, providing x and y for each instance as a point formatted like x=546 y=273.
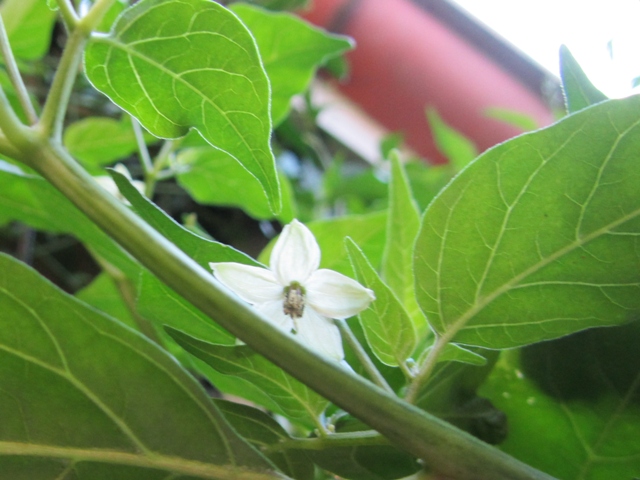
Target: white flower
x=294 y=294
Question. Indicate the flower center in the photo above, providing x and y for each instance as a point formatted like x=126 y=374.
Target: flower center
x=293 y=300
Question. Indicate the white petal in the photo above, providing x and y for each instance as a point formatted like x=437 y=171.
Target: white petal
x=252 y=284
x=274 y=312
x=336 y=296
x=320 y=333
x=296 y=254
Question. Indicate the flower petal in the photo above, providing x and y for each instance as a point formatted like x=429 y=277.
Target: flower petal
x=336 y=296
x=274 y=312
x=252 y=284
x=296 y=254
x=320 y=333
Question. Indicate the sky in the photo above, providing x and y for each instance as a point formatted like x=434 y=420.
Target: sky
x=604 y=36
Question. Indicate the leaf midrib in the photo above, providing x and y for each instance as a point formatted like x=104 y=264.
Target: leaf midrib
x=176 y=465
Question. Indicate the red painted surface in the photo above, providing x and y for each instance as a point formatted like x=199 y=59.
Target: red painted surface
x=406 y=60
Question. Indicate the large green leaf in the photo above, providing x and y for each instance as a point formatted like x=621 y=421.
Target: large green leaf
x=538 y=237
x=403 y=225
x=291 y=50
x=200 y=70
x=103 y=294
x=386 y=324
x=578 y=397
x=289 y=397
x=578 y=90
x=29 y=24
x=84 y=394
x=214 y=178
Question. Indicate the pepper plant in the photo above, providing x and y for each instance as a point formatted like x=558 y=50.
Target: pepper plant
x=483 y=356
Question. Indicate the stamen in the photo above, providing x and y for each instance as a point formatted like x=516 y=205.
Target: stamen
x=293 y=300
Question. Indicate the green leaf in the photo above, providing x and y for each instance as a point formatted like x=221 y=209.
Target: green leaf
x=29 y=24
x=103 y=294
x=578 y=397
x=201 y=249
x=288 y=396
x=455 y=353
x=262 y=431
x=291 y=50
x=520 y=120
x=214 y=178
x=97 y=141
x=386 y=324
x=458 y=149
x=538 y=237
x=163 y=306
x=403 y=224
x=124 y=410
x=452 y=395
x=427 y=181
x=578 y=90
x=202 y=70
x=370 y=462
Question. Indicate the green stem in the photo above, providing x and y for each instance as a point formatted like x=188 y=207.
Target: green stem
x=426 y=369
x=362 y=356
x=55 y=107
x=444 y=448
x=143 y=151
x=16 y=134
x=352 y=439
x=68 y=13
x=408 y=374
x=14 y=76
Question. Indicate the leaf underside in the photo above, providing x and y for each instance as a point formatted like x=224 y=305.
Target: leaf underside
x=199 y=70
x=82 y=393
x=539 y=237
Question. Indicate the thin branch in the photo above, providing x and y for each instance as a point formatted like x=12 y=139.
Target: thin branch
x=362 y=356
x=15 y=77
x=145 y=158
x=55 y=107
x=68 y=14
x=426 y=369
x=15 y=133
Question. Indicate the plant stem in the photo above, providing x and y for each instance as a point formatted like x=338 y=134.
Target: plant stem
x=143 y=151
x=14 y=76
x=351 y=439
x=68 y=13
x=444 y=448
x=16 y=135
x=426 y=369
x=55 y=107
x=362 y=356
